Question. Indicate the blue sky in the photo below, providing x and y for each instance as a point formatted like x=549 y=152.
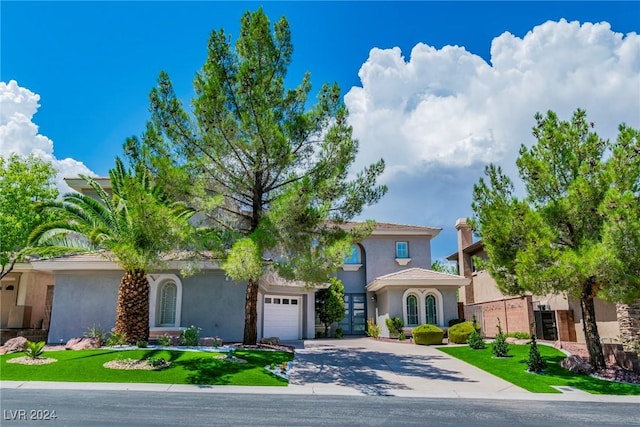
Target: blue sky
x=431 y=112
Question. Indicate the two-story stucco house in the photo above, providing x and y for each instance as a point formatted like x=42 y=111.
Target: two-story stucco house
x=387 y=275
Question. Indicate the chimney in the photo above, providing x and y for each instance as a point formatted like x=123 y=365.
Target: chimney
x=465 y=239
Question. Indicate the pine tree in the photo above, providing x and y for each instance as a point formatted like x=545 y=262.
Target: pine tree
x=263 y=165
x=535 y=363
x=500 y=346
x=475 y=340
x=576 y=231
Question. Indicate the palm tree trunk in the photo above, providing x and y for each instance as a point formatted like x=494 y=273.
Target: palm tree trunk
x=591 y=335
x=132 y=312
x=251 y=314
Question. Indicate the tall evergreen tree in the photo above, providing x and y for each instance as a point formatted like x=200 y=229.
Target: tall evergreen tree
x=269 y=171
x=577 y=231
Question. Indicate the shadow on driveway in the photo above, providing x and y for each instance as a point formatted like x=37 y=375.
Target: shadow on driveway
x=368 y=370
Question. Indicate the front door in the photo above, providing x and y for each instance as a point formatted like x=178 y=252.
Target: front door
x=355 y=314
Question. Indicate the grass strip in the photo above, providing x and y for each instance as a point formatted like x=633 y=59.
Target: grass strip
x=514 y=370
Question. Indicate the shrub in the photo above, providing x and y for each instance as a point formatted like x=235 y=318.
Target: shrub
x=394 y=324
x=96 y=332
x=475 y=340
x=165 y=340
x=519 y=335
x=455 y=322
x=427 y=334
x=339 y=333
x=535 y=362
x=402 y=336
x=156 y=362
x=373 y=330
x=33 y=349
x=500 y=347
x=142 y=344
x=117 y=338
x=190 y=336
x=459 y=333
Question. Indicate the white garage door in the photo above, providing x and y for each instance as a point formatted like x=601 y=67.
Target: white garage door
x=282 y=317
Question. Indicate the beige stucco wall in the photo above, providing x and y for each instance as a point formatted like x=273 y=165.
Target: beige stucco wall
x=30 y=289
x=484 y=287
x=607 y=320
x=33 y=293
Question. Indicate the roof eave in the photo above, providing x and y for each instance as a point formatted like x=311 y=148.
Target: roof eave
x=377 y=285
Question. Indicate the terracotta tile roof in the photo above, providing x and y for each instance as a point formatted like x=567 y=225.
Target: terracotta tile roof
x=418 y=274
x=390 y=228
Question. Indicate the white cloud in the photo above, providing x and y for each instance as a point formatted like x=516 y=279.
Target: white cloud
x=441 y=115
x=18 y=133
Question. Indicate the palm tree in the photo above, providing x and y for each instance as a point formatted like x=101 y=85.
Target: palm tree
x=134 y=226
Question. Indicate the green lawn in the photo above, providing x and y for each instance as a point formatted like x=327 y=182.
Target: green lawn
x=187 y=367
x=514 y=370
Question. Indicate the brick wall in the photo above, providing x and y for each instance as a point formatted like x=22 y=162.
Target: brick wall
x=515 y=314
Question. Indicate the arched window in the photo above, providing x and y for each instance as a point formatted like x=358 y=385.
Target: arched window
x=354 y=257
x=165 y=301
x=167 y=309
x=412 y=310
x=430 y=308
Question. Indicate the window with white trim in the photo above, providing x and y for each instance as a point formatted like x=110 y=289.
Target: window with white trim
x=431 y=316
x=412 y=310
x=165 y=300
x=402 y=249
x=421 y=306
x=167 y=309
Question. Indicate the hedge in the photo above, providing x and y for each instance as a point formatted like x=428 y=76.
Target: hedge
x=427 y=334
x=459 y=333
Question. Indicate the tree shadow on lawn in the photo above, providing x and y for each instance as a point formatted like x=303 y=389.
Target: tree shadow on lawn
x=212 y=370
x=363 y=370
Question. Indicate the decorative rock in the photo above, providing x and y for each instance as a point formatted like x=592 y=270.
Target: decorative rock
x=14 y=344
x=577 y=364
x=270 y=341
x=210 y=342
x=82 y=343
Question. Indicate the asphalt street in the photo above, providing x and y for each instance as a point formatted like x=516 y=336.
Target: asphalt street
x=142 y=408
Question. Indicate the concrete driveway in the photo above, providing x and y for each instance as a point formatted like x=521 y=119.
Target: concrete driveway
x=366 y=366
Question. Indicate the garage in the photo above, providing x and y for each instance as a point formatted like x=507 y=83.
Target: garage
x=282 y=317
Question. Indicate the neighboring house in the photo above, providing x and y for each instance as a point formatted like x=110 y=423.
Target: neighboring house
x=387 y=275
x=555 y=317
x=26 y=296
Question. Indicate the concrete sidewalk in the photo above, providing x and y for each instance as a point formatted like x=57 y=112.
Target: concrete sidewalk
x=364 y=367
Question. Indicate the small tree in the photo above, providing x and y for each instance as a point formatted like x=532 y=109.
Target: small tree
x=330 y=304
x=24 y=182
x=535 y=362
x=500 y=346
x=395 y=325
x=475 y=339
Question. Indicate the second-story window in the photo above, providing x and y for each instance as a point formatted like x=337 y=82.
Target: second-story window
x=402 y=249
x=354 y=257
